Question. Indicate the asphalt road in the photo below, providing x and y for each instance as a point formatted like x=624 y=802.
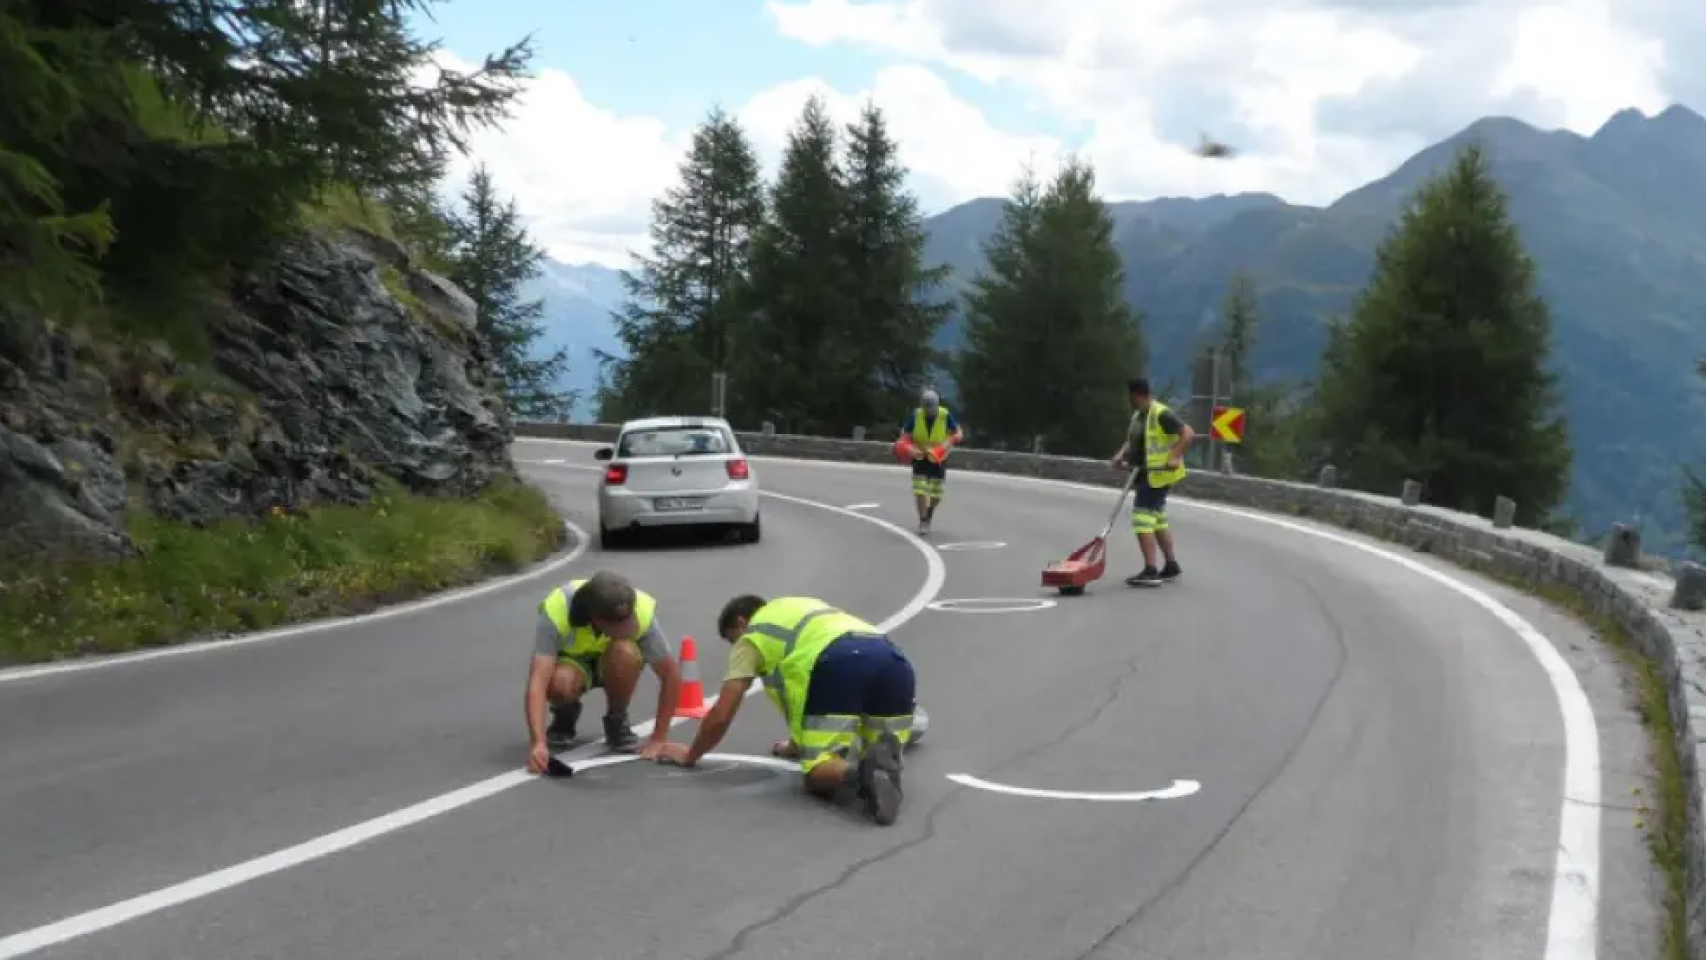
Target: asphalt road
x=1379 y=762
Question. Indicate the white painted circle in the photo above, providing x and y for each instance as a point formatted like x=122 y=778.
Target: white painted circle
x=972 y=545
x=1017 y=605
x=1179 y=788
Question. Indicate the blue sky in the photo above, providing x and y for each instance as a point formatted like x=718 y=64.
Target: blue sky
x=672 y=59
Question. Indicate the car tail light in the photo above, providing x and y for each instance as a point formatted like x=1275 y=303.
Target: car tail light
x=737 y=469
x=616 y=474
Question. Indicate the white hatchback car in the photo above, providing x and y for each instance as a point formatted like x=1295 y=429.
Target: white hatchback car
x=673 y=472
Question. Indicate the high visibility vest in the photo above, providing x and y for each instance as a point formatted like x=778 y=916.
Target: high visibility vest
x=586 y=643
x=1158 y=449
x=790 y=633
x=934 y=434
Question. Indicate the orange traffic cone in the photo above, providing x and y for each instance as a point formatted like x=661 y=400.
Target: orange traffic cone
x=691 y=703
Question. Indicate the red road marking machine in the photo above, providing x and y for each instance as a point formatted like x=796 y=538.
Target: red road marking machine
x=1086 y=564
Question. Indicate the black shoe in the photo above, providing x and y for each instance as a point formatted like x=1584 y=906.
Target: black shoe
x=1150 y=577
x=617 y=735
x=879 y=780
x=561 y=733
x=1171 y=571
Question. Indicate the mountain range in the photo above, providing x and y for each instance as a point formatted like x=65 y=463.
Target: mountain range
x=1616 y=222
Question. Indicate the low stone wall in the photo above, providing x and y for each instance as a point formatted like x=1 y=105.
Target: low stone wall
x=1664 y=623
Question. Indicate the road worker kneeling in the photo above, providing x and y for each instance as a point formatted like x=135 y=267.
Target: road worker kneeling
x=847 y=692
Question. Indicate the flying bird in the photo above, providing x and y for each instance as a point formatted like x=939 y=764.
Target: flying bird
x=1212 y=149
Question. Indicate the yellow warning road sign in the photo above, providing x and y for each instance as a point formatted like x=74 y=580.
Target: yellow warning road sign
x=1228 y=424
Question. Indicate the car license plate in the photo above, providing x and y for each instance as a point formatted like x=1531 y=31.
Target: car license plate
x=678 y=503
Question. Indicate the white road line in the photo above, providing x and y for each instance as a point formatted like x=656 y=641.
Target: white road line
x=1179 y=788
x=863 y=506
x=83 y=924
x=1573 y=925
x=37 y=671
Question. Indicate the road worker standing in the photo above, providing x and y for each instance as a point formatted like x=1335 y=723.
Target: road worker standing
x=932 y=430
x=847 y=692
x=595 y=633
x=1160 y=438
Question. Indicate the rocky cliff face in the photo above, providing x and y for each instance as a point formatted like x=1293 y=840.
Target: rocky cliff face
x=336 y=364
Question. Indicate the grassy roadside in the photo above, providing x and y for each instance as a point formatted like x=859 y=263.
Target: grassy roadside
x=194 y=583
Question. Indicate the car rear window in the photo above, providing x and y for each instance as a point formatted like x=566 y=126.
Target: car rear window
x=674 y=442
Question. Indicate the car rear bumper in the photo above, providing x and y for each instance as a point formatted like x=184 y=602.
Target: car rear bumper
x=625 y=508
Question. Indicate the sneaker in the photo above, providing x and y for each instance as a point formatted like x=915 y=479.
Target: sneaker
x=617 y=734
x=561 y=733
x=1149 y=577
x=924 y=526
x=879 y=780
x=1171 y=571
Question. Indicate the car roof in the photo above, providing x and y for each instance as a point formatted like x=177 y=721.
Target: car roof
x=656 y=423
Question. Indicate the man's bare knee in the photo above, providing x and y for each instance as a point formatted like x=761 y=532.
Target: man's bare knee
x=565 y=686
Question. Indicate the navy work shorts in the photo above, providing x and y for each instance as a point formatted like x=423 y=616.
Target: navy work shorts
x=861 y=676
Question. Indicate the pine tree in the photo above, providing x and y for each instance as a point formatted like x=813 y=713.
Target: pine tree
x=893 y=319
x=492 y=258
x=685 y=301
x=1049 y=337
x=1270 y=446
x=800 y=363
x=1441 y=373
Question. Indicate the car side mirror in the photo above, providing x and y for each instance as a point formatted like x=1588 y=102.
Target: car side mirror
x=604 y=453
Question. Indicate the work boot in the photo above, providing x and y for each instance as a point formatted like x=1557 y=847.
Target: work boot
x=924 y=525
x=561 y=733
x=879 y=779
x=1170 y=571
x=1148 y=577
x=617 y=734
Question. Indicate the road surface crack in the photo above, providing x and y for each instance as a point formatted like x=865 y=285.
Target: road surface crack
x=741 y=938
x=1273 y=776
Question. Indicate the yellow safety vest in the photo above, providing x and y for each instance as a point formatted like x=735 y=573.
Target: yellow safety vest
x=790 y=633
x=1158 y=445
x=936 y=433
x=586 y=643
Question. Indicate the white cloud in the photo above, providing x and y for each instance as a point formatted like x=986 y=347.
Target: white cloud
x=951 y=148
x=583 y=176
x=1320 y=96
x=1144 y=78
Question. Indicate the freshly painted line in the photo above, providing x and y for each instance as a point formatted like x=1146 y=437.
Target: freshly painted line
x=972 y=545
x=1573 y=925
x=774 y=763
x=1180 y=788
x=83 y=924
x=863 y=506
x=34 y=672
x=1022 y=605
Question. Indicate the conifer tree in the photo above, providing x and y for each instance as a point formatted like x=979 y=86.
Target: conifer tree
x=1441 y=373
x=893 y=319
x=684 y=301
x=1049 y=338
x=801 y=364
x=492 y=258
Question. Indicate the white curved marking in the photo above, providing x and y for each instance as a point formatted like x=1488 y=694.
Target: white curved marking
x=1572 y=931
x=1020 y=605
x=93 y=921
x=1180 y=788
x=582 y=541
x=972 y=545
x=863 y=506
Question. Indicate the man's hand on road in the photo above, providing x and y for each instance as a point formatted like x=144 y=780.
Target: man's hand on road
x=538 y=758
x=654 y=749
x=668 y=752
x=785 y=749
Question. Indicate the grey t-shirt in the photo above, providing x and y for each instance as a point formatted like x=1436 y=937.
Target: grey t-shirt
x=654 y=646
